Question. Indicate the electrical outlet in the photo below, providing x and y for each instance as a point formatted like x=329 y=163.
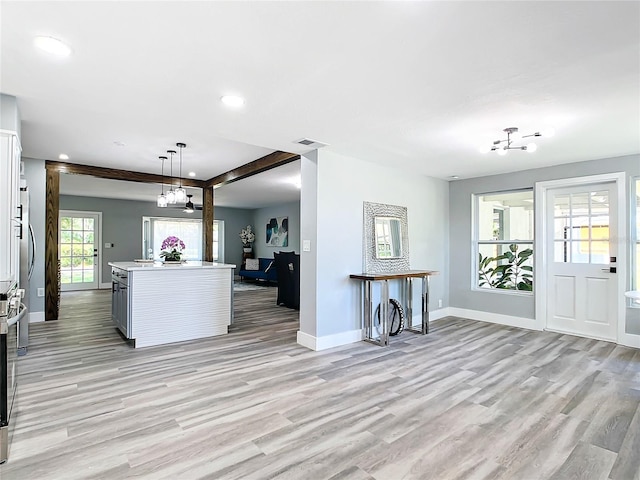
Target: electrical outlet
x=41 y=292
x=440 y=303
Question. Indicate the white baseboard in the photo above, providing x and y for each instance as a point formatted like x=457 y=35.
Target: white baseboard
x=433 y=316
x=329 y=341
x=104 y=286
x=630 y=340
x=509 y=320
x=35 y=317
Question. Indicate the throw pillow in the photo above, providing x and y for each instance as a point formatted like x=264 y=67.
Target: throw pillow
x=266 y=270
x=252 y=264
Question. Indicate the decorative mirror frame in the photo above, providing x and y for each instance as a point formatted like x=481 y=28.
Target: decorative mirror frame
x=370 y=263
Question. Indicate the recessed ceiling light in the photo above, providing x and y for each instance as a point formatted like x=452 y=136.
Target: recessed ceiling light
x=454 y=177
x=63 y=156
x=192 y=174
x=53 y=46
x=297 y=181
x=232 y=101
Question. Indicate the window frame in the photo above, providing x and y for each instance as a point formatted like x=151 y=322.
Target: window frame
x=634 y=257
x=146 y=232
x=476 y=242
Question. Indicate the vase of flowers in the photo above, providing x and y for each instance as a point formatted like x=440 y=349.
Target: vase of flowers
x=172 y=248
x=248 y=237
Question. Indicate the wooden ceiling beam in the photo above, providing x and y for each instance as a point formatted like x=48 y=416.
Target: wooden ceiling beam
x=260 y=165
x=115 y=174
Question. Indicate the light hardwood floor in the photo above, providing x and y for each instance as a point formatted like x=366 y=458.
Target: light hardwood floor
x=469 y=401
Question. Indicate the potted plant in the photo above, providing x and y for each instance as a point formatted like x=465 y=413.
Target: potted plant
x=248 y=237
x=172 y=249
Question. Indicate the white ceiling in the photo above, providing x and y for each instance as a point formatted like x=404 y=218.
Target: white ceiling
x=416 y=85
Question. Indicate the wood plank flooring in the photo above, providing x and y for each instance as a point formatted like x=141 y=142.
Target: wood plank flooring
x=469 y=401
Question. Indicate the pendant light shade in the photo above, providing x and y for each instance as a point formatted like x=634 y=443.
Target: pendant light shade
x=171 y=194
x=161 y=201
x=180 y=192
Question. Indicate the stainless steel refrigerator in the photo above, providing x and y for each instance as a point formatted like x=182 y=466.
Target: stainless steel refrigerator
x=27 y=262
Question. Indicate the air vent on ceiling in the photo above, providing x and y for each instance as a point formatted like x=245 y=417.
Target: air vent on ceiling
x=307 y=142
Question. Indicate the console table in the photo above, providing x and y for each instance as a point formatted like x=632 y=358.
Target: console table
x=367 y=306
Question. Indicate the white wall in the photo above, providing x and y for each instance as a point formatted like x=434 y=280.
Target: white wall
x=343 y=184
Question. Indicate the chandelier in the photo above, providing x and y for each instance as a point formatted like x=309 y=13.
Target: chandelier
x=512 y=142
x=179 y=194
x=171 y=194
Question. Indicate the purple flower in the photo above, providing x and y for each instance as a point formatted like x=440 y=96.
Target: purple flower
x=173 y=243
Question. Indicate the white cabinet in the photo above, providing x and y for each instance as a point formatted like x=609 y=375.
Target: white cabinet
x=9 y=203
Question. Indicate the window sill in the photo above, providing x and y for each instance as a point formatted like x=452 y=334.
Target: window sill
x=517 y=293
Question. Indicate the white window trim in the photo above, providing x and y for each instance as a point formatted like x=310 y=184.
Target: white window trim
x=634 y=283
x=475 y=243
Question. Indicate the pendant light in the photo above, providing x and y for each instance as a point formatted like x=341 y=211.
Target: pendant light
x=162 y=198
x=171 y=194
x=181 y=193
x=189 y=206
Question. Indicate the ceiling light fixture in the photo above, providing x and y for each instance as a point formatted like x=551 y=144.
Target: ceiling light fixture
x=63 y=156
x=504 y=145
x=52 y=45
x=181 y=193
x=189 y=207
x=232 y=101
x=192 y=174
x=171 y=194
x=162 y=199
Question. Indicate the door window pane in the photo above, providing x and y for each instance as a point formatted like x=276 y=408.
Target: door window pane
x=583 y=220
x=77 y=244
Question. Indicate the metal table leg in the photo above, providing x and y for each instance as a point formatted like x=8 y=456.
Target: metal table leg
x=425 y=305
x=384 y=313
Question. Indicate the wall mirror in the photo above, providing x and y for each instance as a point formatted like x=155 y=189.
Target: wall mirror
x=388 y=237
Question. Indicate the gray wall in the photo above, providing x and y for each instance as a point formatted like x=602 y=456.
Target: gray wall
x=121 y=225
x=261 y=217
x=460 y=203
x=235 y=219
x=343 y=184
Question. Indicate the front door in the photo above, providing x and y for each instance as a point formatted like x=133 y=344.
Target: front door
x=581 y=243
x=79 y=241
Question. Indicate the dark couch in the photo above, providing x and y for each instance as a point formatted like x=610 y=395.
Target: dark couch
x=288 y=267
x=266 y=273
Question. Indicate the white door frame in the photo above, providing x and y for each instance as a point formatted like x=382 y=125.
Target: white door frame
x=99 y=240
x=542 y=229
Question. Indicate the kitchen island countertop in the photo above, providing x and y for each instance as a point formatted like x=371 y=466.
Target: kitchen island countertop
x=189 y=264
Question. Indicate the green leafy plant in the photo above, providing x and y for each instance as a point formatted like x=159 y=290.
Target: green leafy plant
x=507 y=271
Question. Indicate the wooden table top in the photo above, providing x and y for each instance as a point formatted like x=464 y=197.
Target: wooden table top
x=394 y=275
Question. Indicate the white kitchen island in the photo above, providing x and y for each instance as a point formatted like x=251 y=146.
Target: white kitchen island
x=158 y=303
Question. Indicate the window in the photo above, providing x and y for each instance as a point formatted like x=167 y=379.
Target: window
x=218 y=240
x=635 y=232
x=156 y=229
x=503 y=243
